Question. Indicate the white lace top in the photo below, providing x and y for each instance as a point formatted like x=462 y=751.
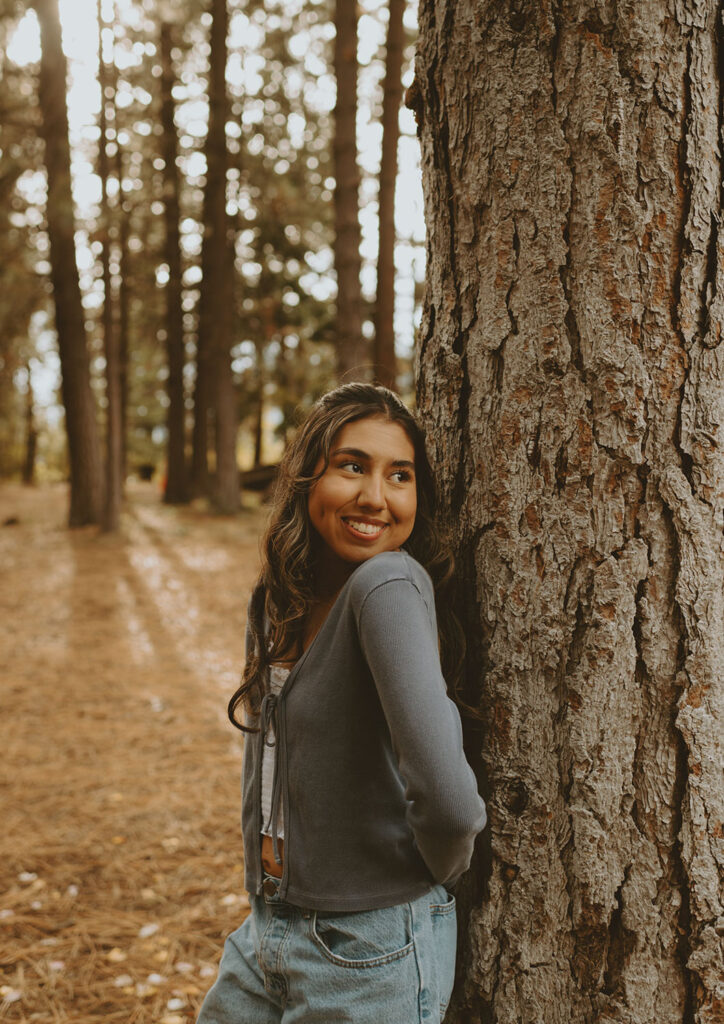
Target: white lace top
x=277 y=678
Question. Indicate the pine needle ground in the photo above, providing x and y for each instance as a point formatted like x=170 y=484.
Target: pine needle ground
x=120 y=852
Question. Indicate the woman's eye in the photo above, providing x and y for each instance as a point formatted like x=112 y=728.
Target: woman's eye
x=353 y=466
x=403 y=475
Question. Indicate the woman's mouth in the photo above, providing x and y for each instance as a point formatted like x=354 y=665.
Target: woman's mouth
x=359 y=528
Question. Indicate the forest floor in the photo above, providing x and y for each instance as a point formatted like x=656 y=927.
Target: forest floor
x=120 y=850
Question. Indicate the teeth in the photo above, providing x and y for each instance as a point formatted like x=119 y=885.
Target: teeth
x=365 y=527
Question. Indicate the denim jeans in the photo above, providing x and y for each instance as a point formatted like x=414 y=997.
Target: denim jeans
x=287 y=965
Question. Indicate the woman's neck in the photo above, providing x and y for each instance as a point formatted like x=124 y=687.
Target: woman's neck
x=330 y=576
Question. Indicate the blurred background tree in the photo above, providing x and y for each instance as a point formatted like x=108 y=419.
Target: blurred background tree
x=150 y=169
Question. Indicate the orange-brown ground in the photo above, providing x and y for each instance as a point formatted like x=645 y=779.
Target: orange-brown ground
x=120 y=856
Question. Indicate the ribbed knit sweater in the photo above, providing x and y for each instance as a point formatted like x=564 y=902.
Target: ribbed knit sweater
x=379 y=803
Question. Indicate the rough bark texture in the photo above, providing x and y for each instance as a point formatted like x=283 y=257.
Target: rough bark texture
x=570 y=372
x=176 y=485
x=385 y=365
x=351 y=346
x=84 y=455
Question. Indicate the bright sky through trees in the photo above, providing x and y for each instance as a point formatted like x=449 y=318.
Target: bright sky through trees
x=80 y=36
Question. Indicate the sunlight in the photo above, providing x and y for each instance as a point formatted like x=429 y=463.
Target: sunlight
x=24 y=46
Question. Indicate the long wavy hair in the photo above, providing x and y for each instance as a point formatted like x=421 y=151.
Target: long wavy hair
x=285 y=590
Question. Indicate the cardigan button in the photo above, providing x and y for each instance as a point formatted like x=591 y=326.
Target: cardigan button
x=270 y=887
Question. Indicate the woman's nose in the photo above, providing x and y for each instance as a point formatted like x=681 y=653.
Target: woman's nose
x=371 y=492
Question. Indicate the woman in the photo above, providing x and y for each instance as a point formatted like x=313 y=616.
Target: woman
x=359 y=810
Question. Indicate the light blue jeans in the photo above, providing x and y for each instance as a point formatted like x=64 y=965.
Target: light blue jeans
x=286 y=965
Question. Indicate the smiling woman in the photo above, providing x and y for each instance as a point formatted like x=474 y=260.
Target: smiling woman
x=359 y=809
x=366 y=498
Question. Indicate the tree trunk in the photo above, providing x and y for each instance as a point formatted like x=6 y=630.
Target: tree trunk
x=385 y=365
x=570 y=374
x=111 y=517
x=124 y=302
x=219 y=283
x=86 y=474
x=259 y=410
x=200 y=430
x=216 y=302
x=31 y=433
x=176 y=485
x=351 y=346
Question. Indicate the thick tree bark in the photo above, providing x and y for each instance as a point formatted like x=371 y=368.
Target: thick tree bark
x=216 y=303
x=385 y=365
x=86 y=473
x=352 y=354
x=570 y=371
x=111 y=516
x=176 y=484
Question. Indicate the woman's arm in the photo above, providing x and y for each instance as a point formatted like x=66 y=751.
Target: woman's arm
x=399 y=641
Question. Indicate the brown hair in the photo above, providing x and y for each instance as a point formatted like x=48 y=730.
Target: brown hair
x=285 y=589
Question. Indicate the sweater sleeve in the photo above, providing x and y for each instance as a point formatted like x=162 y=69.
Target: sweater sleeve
x=399 y=642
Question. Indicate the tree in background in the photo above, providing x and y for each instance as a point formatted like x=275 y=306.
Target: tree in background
x=352 y=355
x=571 y=377
x=22 y=293
x=285 y=238
x=86 y=475
x=280 y=203
x=110 y=519
x=214 y=388
x=385 y=364
x=176 y=487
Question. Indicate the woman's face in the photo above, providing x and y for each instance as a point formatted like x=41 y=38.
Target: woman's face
x=366 y=500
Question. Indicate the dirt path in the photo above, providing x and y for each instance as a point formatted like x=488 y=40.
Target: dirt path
x=120 y=858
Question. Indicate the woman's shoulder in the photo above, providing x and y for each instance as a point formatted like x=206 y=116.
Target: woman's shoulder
x=384 y=568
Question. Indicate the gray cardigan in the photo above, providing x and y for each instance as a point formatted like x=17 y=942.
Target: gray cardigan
x=379 y=802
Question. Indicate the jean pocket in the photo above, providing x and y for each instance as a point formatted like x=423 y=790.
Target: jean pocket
x=444 y=937
x=364 y=938
x=445 y=903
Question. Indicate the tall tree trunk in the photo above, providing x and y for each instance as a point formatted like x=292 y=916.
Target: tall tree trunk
x=124 y=301
x=259 y=423
x=31 y=433
x=218 y=283
x=200 y=431
x=268 y=317
x=214 y=377
x=385 y=365
x=570 y=372
x=176 y=484
x=351 y=346
x=114 y=482
x=86 y=473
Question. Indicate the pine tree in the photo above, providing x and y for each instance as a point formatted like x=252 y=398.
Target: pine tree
x=86 y=479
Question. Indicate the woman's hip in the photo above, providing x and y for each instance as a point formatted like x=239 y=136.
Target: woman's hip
x=393 y=963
